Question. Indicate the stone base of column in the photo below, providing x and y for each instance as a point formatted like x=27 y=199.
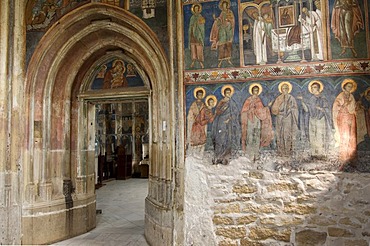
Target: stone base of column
x=46 y=190
x=80 y=185
x=31 y=192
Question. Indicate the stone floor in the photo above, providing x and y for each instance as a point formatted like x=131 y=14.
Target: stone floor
x=122 y=219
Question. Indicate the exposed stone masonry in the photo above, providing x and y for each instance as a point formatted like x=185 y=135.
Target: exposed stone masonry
x=259 y=207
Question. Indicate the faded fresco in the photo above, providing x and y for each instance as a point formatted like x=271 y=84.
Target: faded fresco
x=211 y=34
x=116 y=74
x=40 y=15
x=304 y=124
x=273 y=32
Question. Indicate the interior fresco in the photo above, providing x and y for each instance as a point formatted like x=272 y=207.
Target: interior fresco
x=116 y=73
x=300 y=124
x=269 y=32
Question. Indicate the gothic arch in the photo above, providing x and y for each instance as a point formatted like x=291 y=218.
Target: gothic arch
x=57 y=156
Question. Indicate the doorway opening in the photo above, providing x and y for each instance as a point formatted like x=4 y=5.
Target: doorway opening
x=121 y=140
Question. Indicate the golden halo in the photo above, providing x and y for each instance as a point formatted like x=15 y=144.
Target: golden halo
x=193 y=7
x=122 y=63
x=199 y=89
x=349 y=81
x=367 y=91
x=211 y=97
x=318 y=82
x=285 y=83
x=221 y=3
x=118 y=61
x=225 y=87
x=253 y=85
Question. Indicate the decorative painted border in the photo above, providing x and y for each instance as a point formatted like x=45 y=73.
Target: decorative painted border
x=273 y=71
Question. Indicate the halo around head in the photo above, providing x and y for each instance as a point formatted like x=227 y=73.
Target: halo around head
x=118 y=61
x=199 y=89
x=193 y=8
x=367 y=91
x=315 y=82
x=254 y=85
x=222 y=2
x=227 y=87
x=211 y=97
x=346 y=81
x=285 y=83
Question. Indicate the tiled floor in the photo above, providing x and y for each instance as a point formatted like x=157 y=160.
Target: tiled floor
x=122 y=219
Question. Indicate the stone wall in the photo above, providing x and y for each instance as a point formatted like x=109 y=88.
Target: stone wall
x=239 y=204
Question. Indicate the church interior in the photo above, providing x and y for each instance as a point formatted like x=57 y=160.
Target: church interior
x=238 y=122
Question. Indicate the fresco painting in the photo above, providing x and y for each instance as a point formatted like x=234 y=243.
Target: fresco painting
x=116 y=74
x=348 y=28
x=322 y=120
x=40 y=14
x=270 y=32
x=211 y=34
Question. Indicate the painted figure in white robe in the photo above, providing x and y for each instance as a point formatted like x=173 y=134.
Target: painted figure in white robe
x=259 y=40
x=311 y=23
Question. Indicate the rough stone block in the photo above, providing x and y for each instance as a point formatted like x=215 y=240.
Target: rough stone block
x=321 y=220
x=356 y=242
x=246 y=242
x=299 y=209
x=231 y=232
x=246 y=219
x=233 y=208
x=222 y=220
x=310 y=237
x=349 y=222
x=367 y=213
x=267 y=209
x=256 y=175
x=244 y=189
x=227 y=242
x=339 y=232
x=282 y=187
x=263 y=233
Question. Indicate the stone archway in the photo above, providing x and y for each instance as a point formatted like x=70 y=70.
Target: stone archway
x=59 y=183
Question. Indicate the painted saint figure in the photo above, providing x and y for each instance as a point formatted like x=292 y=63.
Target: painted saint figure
x=320 y=121
x=313 y=24
x=198 y=138
x=285 y=18
x=365 y=102
x=259 y=40
x=114 y=78
x=194 y=110
x=222 y=32
x=346 y=22
x=196 y=35
x=225 y=127
x=286 y=126
x=344 y=119
x=256 y=123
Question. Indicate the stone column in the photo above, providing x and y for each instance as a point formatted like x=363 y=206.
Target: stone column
x=12 y=53
x=86 y=148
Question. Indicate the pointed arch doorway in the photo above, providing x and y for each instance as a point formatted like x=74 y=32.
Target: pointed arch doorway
x=59 y=164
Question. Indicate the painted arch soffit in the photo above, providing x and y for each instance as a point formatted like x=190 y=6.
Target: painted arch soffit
x=144 y=66
x=115 y=72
